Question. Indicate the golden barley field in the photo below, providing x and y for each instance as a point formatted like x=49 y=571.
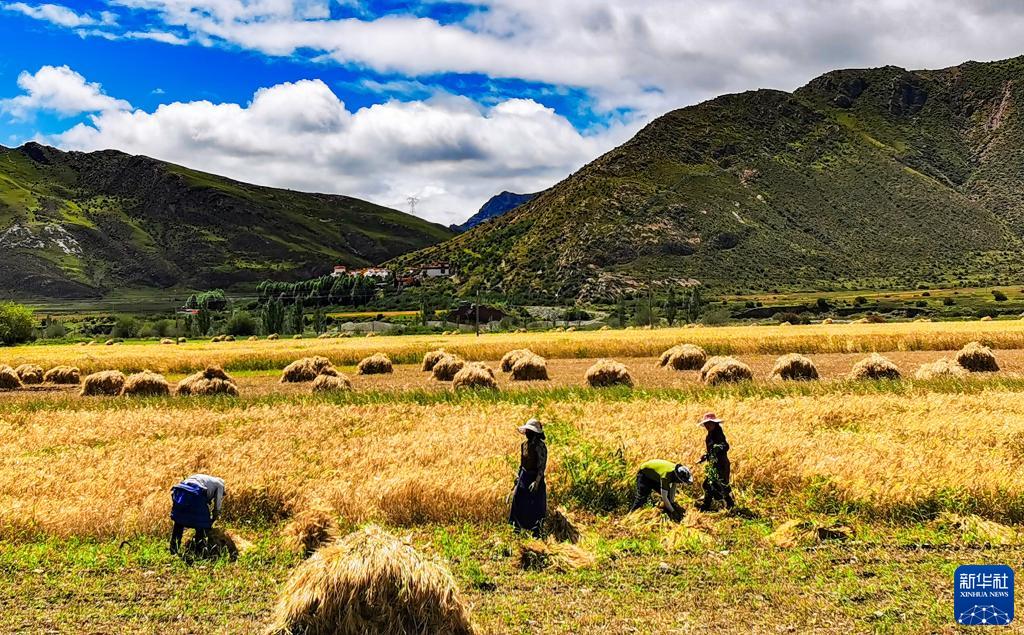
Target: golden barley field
x=84 y=481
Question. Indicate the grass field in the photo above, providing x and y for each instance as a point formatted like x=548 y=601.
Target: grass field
x=84 y=481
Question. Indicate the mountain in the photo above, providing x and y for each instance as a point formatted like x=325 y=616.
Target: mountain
x=871 y=178
x=78 y=224
x=493 y=208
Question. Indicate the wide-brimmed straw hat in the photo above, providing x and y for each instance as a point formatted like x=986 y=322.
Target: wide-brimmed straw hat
x=709 y=417
x=533 y=425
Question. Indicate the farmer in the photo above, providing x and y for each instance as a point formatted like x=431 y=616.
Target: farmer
x=530 y=494
x=191 y=501
x=661 y=476
x=716 y=455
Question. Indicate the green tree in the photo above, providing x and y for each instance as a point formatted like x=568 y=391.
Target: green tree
x=694 y=305
x=319 y=320
x=16 y=322
x=203 y=321
x=273 y=316
x=240 y=323
x=296 y=316
x=620 y=311
x=671 y=306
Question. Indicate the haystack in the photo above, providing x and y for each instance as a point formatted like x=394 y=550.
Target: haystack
x=182 y=340
x=217 y=338
x=607 y=372
x=827 y=321
x=106 y=383
x=874 y=366
x=305 y=369
x=509 y=359
x=667 y=354
x=794 y=367
x=109 y=342
x=530 y=368
x=943 y=367
x=447 y=367
x=167 y=340
x=30 y=374
x=987 y=318
x=297 y=336
x=687 y=357
x=328 y=382
x=711 y=363
x=371 y=334
x=376 y=364
x=977 y=358
x=273 y=336
x=9 y=379
x=728 y=371
x=146 y=384
x=211 y=381
x=475 y=375
x=430 y=358
x=252 y=338
x=229 y=338
x=62 y=375
x=563 y=557
x=561 y=526
x=370 y=582
x=806 y=533
x=310 y=529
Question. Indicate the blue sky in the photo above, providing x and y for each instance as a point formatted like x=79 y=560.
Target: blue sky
x=446 y=102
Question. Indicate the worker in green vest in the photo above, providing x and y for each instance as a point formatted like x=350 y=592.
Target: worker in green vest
x=661 y=476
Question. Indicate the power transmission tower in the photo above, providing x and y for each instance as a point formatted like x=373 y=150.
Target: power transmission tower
x=412 y=200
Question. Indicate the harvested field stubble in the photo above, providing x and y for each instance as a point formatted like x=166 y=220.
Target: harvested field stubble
x=271 y=354
x=930 y=448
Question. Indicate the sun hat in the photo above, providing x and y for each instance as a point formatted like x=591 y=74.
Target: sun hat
x=533 y=425
x=709 y=417
x=683 y=474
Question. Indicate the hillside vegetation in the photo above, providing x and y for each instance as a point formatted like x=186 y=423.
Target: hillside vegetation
x=81 y=224
x=861 y=179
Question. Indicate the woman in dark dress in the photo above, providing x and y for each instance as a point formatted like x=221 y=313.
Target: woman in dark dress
x=530 y=496
x=717 y=472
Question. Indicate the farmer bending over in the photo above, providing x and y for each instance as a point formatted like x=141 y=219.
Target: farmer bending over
x=191 y=500
x=716 y=474
x=663 y=476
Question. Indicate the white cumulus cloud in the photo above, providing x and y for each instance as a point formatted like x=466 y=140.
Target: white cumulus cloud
x=448 y=151
x=59 y=14
x=60 y=90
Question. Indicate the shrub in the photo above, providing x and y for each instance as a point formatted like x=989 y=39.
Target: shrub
x=125 y=327
x=998 y=295
x=241 y=323
x=16 y=323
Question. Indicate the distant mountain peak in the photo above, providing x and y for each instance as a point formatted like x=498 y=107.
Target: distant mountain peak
x=495 y=206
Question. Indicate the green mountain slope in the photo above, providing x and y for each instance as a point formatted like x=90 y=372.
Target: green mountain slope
x=862 y=178
x=80 y=224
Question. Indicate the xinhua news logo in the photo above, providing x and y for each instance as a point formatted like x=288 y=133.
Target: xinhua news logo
x=983 y=595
